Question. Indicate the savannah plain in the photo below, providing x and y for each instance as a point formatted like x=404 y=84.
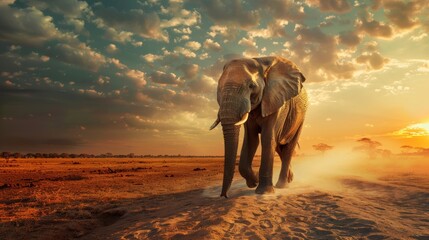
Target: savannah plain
x=178 y=198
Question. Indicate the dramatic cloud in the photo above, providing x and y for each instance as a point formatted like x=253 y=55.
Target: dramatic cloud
x=193 y=45
x=317 y=53
x=138 y=77
x=212 y=45
x=151 y=57
x=111 y=48
x=230 y=12
x=27 y=26
x=350 y=39
x=164 y=78
x=403 y=14
x=205 y=84
x=190 y=71
x=67 y=8
x=136 y=21
x=371 y=57
x=280 y=9
x=144 y=58
x=79 y=55
x=339 y=6
x=374 y=28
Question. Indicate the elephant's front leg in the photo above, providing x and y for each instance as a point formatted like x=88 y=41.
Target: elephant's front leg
x=250 y=145
x=267 y=159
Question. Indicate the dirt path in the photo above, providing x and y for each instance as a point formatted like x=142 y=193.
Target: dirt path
x=360 y=210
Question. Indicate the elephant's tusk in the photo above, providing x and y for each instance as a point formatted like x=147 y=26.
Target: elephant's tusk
x=243 y=119
x=216 y=122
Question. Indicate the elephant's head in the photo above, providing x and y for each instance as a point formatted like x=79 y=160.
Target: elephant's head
x=244 y=85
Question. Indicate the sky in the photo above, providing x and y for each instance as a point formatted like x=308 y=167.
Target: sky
x=140 y=76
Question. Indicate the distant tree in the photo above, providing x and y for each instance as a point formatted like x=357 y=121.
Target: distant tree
x=5 y=155
x=372 y=148
x=322 y=147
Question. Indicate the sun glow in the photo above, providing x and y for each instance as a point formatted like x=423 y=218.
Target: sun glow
x=414 y=130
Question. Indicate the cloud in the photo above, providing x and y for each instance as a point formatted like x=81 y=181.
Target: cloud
x=373 y=60
x=159 y=93
x=79 y=55
x=189 y=70
x=44 y=58
x=204 y=84
x=230 y=13
x=151 y=57
x=27 y=26
x=365 y=23
x=184 y=52
x=193 y=45
x=371 y=57
x=136 y=21
x=118 y=35
x=228 y=33
x=349 y=38
x=181 y=16
x=281 y=9
x=164 y=78
x=212 y=45
x=67 y=8
x=138 y=77
x=111 y=48
x=117 y=63
x=337 y=6
x=317 y=55
x=275 y=28
x=90 y=92
x=404 y=14
x=252 y=48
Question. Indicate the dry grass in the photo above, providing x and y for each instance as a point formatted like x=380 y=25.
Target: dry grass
x=68 y=198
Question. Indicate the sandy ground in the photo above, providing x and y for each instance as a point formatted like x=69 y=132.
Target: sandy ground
x=178 y=198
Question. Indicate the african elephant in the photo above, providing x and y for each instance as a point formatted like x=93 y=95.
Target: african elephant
x=266 y=95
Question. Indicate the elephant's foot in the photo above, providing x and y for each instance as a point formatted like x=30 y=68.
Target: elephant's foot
x=281 y=184
x=264 y=189
x=252 y=180
x=265 y=186
x=283 y=181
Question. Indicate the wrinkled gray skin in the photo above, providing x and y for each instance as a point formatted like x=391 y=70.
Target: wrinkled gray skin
x=266 y=96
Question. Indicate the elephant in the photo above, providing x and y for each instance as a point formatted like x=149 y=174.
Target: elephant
x=267 y=97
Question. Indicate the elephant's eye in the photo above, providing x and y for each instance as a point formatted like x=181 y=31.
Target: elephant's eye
x=252 y=85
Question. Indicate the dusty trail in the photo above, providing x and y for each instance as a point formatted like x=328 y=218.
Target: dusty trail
x=362 y=209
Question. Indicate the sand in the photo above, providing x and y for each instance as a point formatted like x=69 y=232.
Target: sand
x=178 y=198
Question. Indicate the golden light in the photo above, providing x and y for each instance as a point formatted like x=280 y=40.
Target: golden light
x=414 y=130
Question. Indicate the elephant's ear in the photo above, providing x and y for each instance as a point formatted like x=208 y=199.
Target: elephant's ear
x=283 y=82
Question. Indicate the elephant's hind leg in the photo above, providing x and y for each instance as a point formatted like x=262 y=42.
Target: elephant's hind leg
x=286 y=152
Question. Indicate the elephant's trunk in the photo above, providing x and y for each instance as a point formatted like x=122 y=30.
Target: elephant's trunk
x=231 y=133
